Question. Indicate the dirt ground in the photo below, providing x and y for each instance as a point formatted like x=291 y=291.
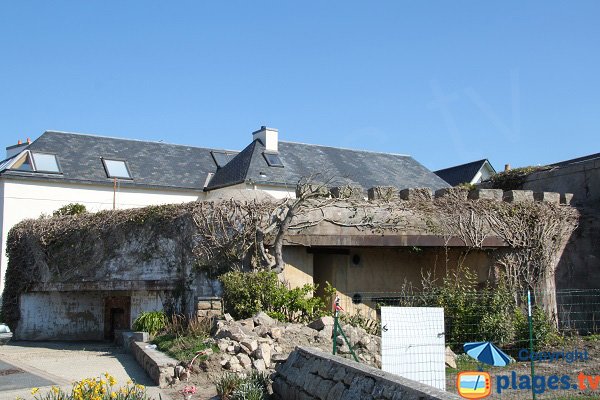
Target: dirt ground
x=545 y=369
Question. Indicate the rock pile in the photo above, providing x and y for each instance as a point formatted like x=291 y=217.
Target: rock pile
x=261 y=342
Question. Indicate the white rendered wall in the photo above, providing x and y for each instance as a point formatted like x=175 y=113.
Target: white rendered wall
x=30 y=199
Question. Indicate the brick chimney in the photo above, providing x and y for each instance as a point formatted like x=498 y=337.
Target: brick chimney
x=268 y=136
x=17 y=148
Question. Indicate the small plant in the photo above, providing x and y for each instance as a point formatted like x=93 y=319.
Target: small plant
x=150 y=321
x=248 y=391
x=243 y=387
x=227 y=384
x=70 y=209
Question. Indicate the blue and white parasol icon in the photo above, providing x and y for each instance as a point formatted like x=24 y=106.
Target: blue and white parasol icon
x=487 y=353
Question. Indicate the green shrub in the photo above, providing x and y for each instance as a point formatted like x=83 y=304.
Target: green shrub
x=70 y=209
x=150 y=321
x=246 y=293
x=544 y=330
x=244 y=387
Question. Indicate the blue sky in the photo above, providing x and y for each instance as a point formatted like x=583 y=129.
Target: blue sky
x=446 y=82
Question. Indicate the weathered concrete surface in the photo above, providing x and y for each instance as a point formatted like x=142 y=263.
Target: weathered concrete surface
x=74 y=315
x=312 y=374
x=579 y=265
x=65 y=362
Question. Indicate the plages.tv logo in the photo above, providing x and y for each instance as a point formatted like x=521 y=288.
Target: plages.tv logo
x=474 y=384
x=478 y=384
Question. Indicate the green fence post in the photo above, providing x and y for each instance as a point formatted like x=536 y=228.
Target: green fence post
x=335 y=323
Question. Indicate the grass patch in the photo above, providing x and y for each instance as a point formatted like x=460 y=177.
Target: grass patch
x=182 y=337
x=183 y=348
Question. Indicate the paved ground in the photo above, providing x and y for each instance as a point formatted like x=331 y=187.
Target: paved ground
x=24 y=365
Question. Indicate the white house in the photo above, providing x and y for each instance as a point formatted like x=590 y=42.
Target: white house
x=103 y=173
x=472 y=173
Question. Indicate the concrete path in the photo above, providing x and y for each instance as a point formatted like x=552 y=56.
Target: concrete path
x=24 y=365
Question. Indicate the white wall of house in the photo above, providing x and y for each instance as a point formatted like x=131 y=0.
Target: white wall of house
x=483 y=174
x=22 y=199
x=275 y=191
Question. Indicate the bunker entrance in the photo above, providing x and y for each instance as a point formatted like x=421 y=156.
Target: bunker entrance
x=117 y=315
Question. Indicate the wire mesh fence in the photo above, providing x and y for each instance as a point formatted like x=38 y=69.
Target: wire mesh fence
x=562 y=341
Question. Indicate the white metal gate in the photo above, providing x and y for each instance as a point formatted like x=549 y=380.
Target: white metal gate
x=413 y=344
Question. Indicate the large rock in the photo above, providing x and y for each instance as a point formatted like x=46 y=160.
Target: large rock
x=275 y=332
x=244 y=360
x=231 y=331
x=321 y=323
x=450 y=358
x=259 y=365
x=263 y=353
x=262 y=319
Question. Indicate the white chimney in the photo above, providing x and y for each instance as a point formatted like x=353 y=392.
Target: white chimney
x=17 y=148
x=268 y=136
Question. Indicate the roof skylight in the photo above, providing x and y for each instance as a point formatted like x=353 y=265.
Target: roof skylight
x=221 y=158
x=273 y=159
x=45 y=162
x=116 y=169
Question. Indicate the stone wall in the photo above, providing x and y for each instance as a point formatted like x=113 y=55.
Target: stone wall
x=207 y=307
x=157 y=365
x=311 y=374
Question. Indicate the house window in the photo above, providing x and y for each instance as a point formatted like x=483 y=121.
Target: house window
x=45 y=162
x=116 y=169
x=23 y=163
x=273 y=159
x=221 y=158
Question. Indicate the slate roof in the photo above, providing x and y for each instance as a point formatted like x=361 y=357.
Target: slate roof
x=152 y=164
x=355 y=167
x=577 y=160
x=163 y=165
x=461 y=173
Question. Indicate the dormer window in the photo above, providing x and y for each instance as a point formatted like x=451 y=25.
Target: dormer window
x=23 y=163
x=116 y=169
x=36 y=162
x=273 y=159
x=221 y=158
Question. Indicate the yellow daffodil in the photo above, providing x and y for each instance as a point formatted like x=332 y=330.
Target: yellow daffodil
x=34 y=390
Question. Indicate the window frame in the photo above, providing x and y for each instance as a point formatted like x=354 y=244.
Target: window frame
x=108 y=174
x=272 y=153
x=226 y=153
x=35 y=167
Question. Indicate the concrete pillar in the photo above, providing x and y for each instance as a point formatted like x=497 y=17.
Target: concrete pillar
x=547 y=197
x=518 y=196
x=416 y=194
x=486 y=194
